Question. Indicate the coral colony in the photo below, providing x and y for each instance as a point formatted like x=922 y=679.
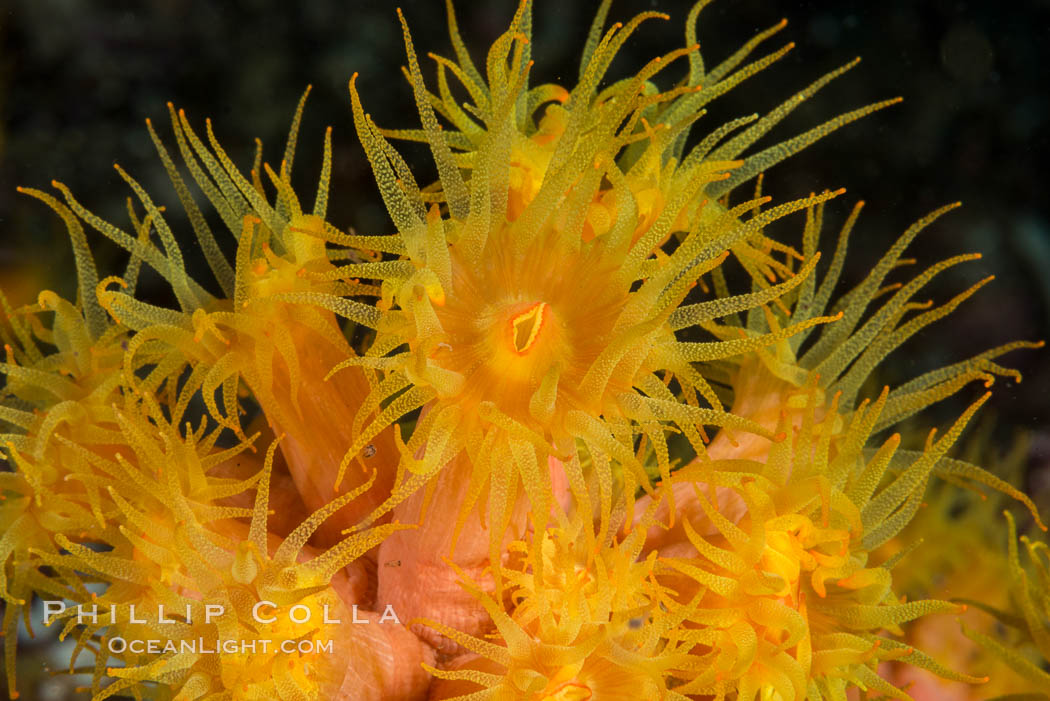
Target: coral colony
x=598 y=436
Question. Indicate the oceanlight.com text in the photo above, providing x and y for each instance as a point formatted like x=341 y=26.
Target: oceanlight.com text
x=263 y=613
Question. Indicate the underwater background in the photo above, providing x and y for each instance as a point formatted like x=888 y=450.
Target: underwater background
x=78 y=78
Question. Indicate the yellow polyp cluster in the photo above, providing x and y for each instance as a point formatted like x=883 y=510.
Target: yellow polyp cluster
x=284 y=291
x=584 y=622
x=966 y=567
x=60 y=394
x=76 y=482
x=538 y=421
x=785 y=601
x=222 y=583
x=841 y=358
x=588 y=250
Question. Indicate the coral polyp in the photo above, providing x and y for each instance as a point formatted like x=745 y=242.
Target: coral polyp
x=583 y=424
x=513 y=364
x=584 y=623
x=796 y=568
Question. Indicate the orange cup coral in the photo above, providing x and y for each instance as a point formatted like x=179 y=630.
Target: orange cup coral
x=537 y=443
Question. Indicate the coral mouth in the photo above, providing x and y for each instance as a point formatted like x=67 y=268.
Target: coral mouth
x=525 y=327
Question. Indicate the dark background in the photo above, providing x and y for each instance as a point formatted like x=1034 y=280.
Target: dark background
x=77 y=80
